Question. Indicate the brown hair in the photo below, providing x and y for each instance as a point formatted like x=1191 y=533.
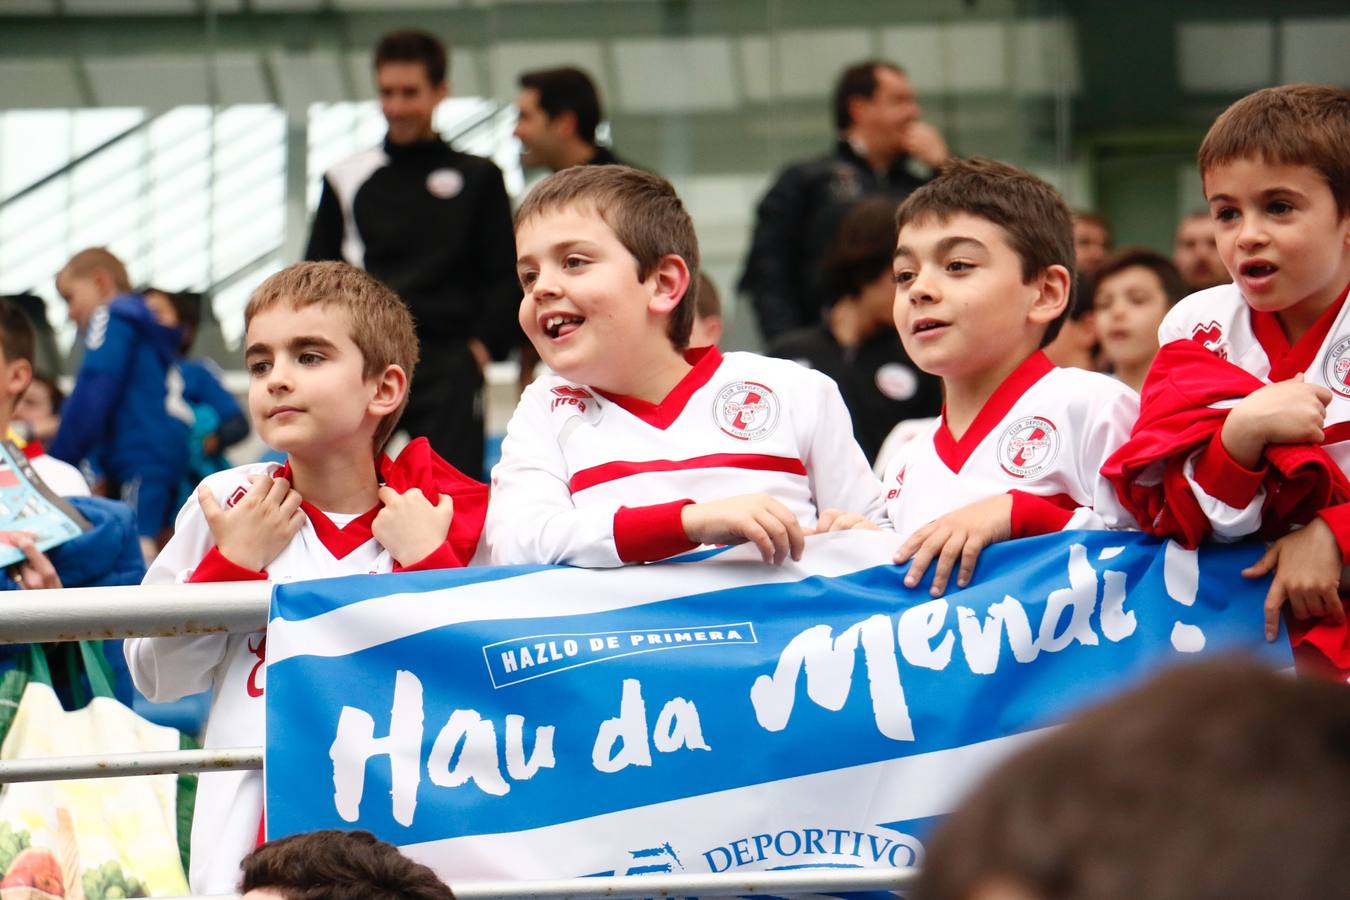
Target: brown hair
x=1173 y=285
x=381 y=326
x=339 y=865
x=1096 y=218
x=18 y=339
x=863 y=248
x=98 y=259
x=1213 y=780
x=642 y=210
x=412 y=45
x=858 y=80
x=1293 y=125
x=1031 y=213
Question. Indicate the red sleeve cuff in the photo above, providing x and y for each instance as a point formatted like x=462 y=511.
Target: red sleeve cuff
x=1033 y=515
x=443 y=557
x=216 y=566
x=1220 y=476
x=1338 y=518
x=648 y=533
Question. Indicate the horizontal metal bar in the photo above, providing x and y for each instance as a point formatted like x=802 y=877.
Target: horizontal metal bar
x=119 y=765
x=75 y=614
x=799 y=881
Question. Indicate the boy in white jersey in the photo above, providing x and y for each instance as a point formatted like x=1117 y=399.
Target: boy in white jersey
x=636 y=450
x=1276 y=173
x=329 y=352
x=984 y=278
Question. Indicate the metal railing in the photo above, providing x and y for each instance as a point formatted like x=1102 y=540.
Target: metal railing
x=71 y=614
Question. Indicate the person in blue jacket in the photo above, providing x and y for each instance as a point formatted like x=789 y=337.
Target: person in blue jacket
x=219 y=421
x=127 y=407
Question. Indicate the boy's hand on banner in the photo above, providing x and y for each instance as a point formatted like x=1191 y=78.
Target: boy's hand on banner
x=1307 y=565
x=409 y=527
x=838 y=520
x=1287 y=412
x=257 y=528
x=757 y=518
x=959 y=535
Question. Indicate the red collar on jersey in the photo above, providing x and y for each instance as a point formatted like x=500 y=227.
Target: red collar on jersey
x=31 y=448
x=1287 y=361
x=704 y=360
x=955 y=453
x=417 y=466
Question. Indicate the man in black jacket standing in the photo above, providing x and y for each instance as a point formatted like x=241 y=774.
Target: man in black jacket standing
x=434 y=225
x=880 y=132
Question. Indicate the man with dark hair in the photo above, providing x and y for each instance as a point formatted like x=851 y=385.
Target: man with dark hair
x=558 y=113
x=337 y=865
x=434 y=225
x=880 y=133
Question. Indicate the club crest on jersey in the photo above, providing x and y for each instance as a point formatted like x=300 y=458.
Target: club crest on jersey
x=239 y=494
x=1211 y=337
x=746 y=410
x=1336 y=368
x=899 y=485
x=1028 y=446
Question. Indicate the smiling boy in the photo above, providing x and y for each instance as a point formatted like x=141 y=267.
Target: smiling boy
x=984 y=277
x=1276 y=173
x=329 y=352
x=638 y=449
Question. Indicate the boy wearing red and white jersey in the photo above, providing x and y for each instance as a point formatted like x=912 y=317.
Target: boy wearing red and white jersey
x=1267 y=452
x=328 y=352
x=637 y=449
x=984 y=277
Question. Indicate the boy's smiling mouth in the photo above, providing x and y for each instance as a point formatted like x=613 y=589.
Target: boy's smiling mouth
x=922 y=326
x=557 y=325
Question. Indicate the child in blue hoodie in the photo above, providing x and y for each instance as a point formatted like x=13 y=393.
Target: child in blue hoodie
x=127 y=405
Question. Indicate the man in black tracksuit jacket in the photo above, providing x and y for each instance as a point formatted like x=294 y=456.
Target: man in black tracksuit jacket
x=434 y=225
x=880 y=132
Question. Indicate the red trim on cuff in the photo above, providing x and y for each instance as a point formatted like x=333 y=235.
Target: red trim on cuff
x=649 y=533
x=1033 y=514
x=216 y=566
x=1223 y=478
x=443 y=557
x=1338 y=519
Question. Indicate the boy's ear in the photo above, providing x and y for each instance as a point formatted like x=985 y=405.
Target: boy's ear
x=669 y=283
x=17 y=376
x=1052 y=294
x=390 y=388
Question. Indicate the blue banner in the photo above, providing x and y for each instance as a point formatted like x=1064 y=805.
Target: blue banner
x=714 y=715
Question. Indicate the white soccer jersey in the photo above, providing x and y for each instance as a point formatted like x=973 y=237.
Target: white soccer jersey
x=229 y=804
x=1045 y=431
x=736 y=424
x=1220 y=319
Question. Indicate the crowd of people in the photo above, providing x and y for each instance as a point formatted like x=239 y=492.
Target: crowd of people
x=954 y=356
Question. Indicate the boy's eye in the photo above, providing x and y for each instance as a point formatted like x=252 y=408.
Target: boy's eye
x=259 y=367
x=527 y=279
x=958 y=265
x=904 y=276
x=573 y=262
x=1225 y=214
x=1279 y=207
x=309 y=358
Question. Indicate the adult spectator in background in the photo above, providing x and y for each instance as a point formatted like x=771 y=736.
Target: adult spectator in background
x=336 y=865
x=434 y=225
x=1092 y=240
x=1211 y=782
x=881 y=131
x=1195 y=253
x=558 y=111
x=857 y=344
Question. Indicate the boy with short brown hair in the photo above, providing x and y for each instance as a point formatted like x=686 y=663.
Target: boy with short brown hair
x=329 y=351
x=984 y=277
x=637 y=450
x=1246 y=412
